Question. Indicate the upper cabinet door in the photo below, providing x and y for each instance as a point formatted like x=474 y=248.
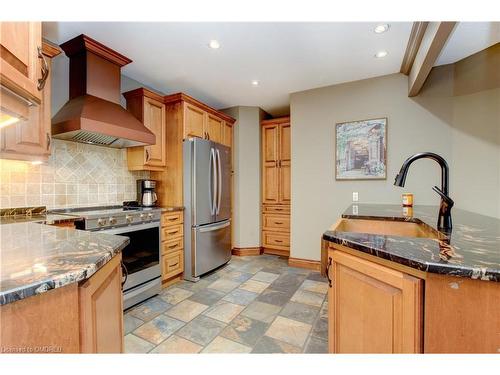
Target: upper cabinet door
x=285 y=195
x=21 y=48
x=270 y=161
x=214 y=128
x=194 y=121
x=154 y=120
x=227 y=134
x=30 y=137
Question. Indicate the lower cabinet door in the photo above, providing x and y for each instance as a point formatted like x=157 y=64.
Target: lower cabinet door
x=101 y=310
x=372 y=308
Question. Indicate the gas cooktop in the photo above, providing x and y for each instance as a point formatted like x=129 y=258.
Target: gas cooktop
x=107 y=217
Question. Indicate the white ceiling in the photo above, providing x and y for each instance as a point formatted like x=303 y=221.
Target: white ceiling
x=284 y=57
x=468 y=38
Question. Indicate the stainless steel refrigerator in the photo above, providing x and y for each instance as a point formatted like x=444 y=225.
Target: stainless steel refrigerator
x=207 y=202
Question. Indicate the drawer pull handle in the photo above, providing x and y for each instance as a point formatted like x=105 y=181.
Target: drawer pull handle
x=173 y=246
x=278 y=209
x=173 y=219
x=45 y=70
x=279 y=241
x=278 y=222
x=328 y=272
x=173 y=265
x=173 y=232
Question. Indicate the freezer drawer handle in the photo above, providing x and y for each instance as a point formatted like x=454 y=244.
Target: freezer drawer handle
x=203 y=230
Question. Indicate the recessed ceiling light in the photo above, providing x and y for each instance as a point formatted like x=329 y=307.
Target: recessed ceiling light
x=381 y=54
x=379 y=29
x=255 y=83
x=214 y=44
x=37 y=162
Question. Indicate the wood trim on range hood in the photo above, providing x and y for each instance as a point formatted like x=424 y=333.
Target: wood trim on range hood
x=93 y=113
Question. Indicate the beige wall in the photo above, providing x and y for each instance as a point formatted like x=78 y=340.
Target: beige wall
x=464 y=130
x=247 y=222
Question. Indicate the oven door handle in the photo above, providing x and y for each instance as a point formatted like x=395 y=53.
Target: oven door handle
x=130 y=228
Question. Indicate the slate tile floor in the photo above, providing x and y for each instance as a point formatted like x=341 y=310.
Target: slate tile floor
x=251 y=305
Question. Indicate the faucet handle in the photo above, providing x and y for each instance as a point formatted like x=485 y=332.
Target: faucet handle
x=446 y=198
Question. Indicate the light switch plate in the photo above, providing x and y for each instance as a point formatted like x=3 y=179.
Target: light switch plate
x=355 y=196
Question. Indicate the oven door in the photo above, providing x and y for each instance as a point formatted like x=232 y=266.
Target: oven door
x=141 y=256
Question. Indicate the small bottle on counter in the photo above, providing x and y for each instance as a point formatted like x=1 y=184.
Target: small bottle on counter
x=407 y=200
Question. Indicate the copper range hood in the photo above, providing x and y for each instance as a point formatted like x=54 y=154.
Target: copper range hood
x=93 y=113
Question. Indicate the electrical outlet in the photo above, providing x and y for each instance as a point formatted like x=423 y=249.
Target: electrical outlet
x=355 y=196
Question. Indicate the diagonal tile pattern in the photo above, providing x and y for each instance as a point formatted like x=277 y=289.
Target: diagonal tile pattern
x=251 y=305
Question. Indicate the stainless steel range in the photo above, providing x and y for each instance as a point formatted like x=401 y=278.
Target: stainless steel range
x=141 y=257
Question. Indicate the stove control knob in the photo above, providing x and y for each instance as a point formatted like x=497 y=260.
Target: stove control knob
x=112 y=220
x=142 y=216
x=150 y=216
x=129 y=218
x=101 y=222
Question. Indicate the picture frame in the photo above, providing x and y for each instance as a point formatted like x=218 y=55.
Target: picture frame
x=361 y=149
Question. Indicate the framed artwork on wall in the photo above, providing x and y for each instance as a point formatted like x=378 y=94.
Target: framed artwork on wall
x=361 y=150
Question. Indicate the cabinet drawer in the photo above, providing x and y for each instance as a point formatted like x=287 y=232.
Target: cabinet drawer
x=277 y=223
x=171 y=246
x=172 y=218
x=172 y=264
x=274 y=240
x=171 y=232
x=280 y=209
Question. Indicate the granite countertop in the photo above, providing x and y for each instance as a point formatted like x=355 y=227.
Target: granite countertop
x=472 y=249
x=47 y=218
x=35 y=258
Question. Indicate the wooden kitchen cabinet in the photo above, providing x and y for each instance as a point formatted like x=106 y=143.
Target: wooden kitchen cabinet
x=148 y=107
x=101 y=310
x=227 y=134
x=172 y=247
x=194 y=121
x=276 y=192
x=85 y=317
x=30 y=138
x=214 y=128
x=20 y=65
x=372 y=308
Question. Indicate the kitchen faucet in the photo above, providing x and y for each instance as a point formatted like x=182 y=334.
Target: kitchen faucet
x=444 y=218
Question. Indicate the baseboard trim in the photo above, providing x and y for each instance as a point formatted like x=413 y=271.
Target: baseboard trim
x=314 y=265
x=247 y=251
x=281 y=253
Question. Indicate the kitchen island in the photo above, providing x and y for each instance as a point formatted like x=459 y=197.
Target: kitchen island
x=400 y=285
x=59 y=287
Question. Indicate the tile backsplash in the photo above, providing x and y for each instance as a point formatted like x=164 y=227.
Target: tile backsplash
x=76 y=175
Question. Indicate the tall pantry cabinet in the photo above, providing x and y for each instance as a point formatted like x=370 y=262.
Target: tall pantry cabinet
x=276 y=192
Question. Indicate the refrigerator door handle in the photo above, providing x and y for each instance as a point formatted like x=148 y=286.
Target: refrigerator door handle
x=219 y=183
x=212 y=181
x=216 y=227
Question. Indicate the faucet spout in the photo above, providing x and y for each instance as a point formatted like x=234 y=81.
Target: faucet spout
x=444 y=219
